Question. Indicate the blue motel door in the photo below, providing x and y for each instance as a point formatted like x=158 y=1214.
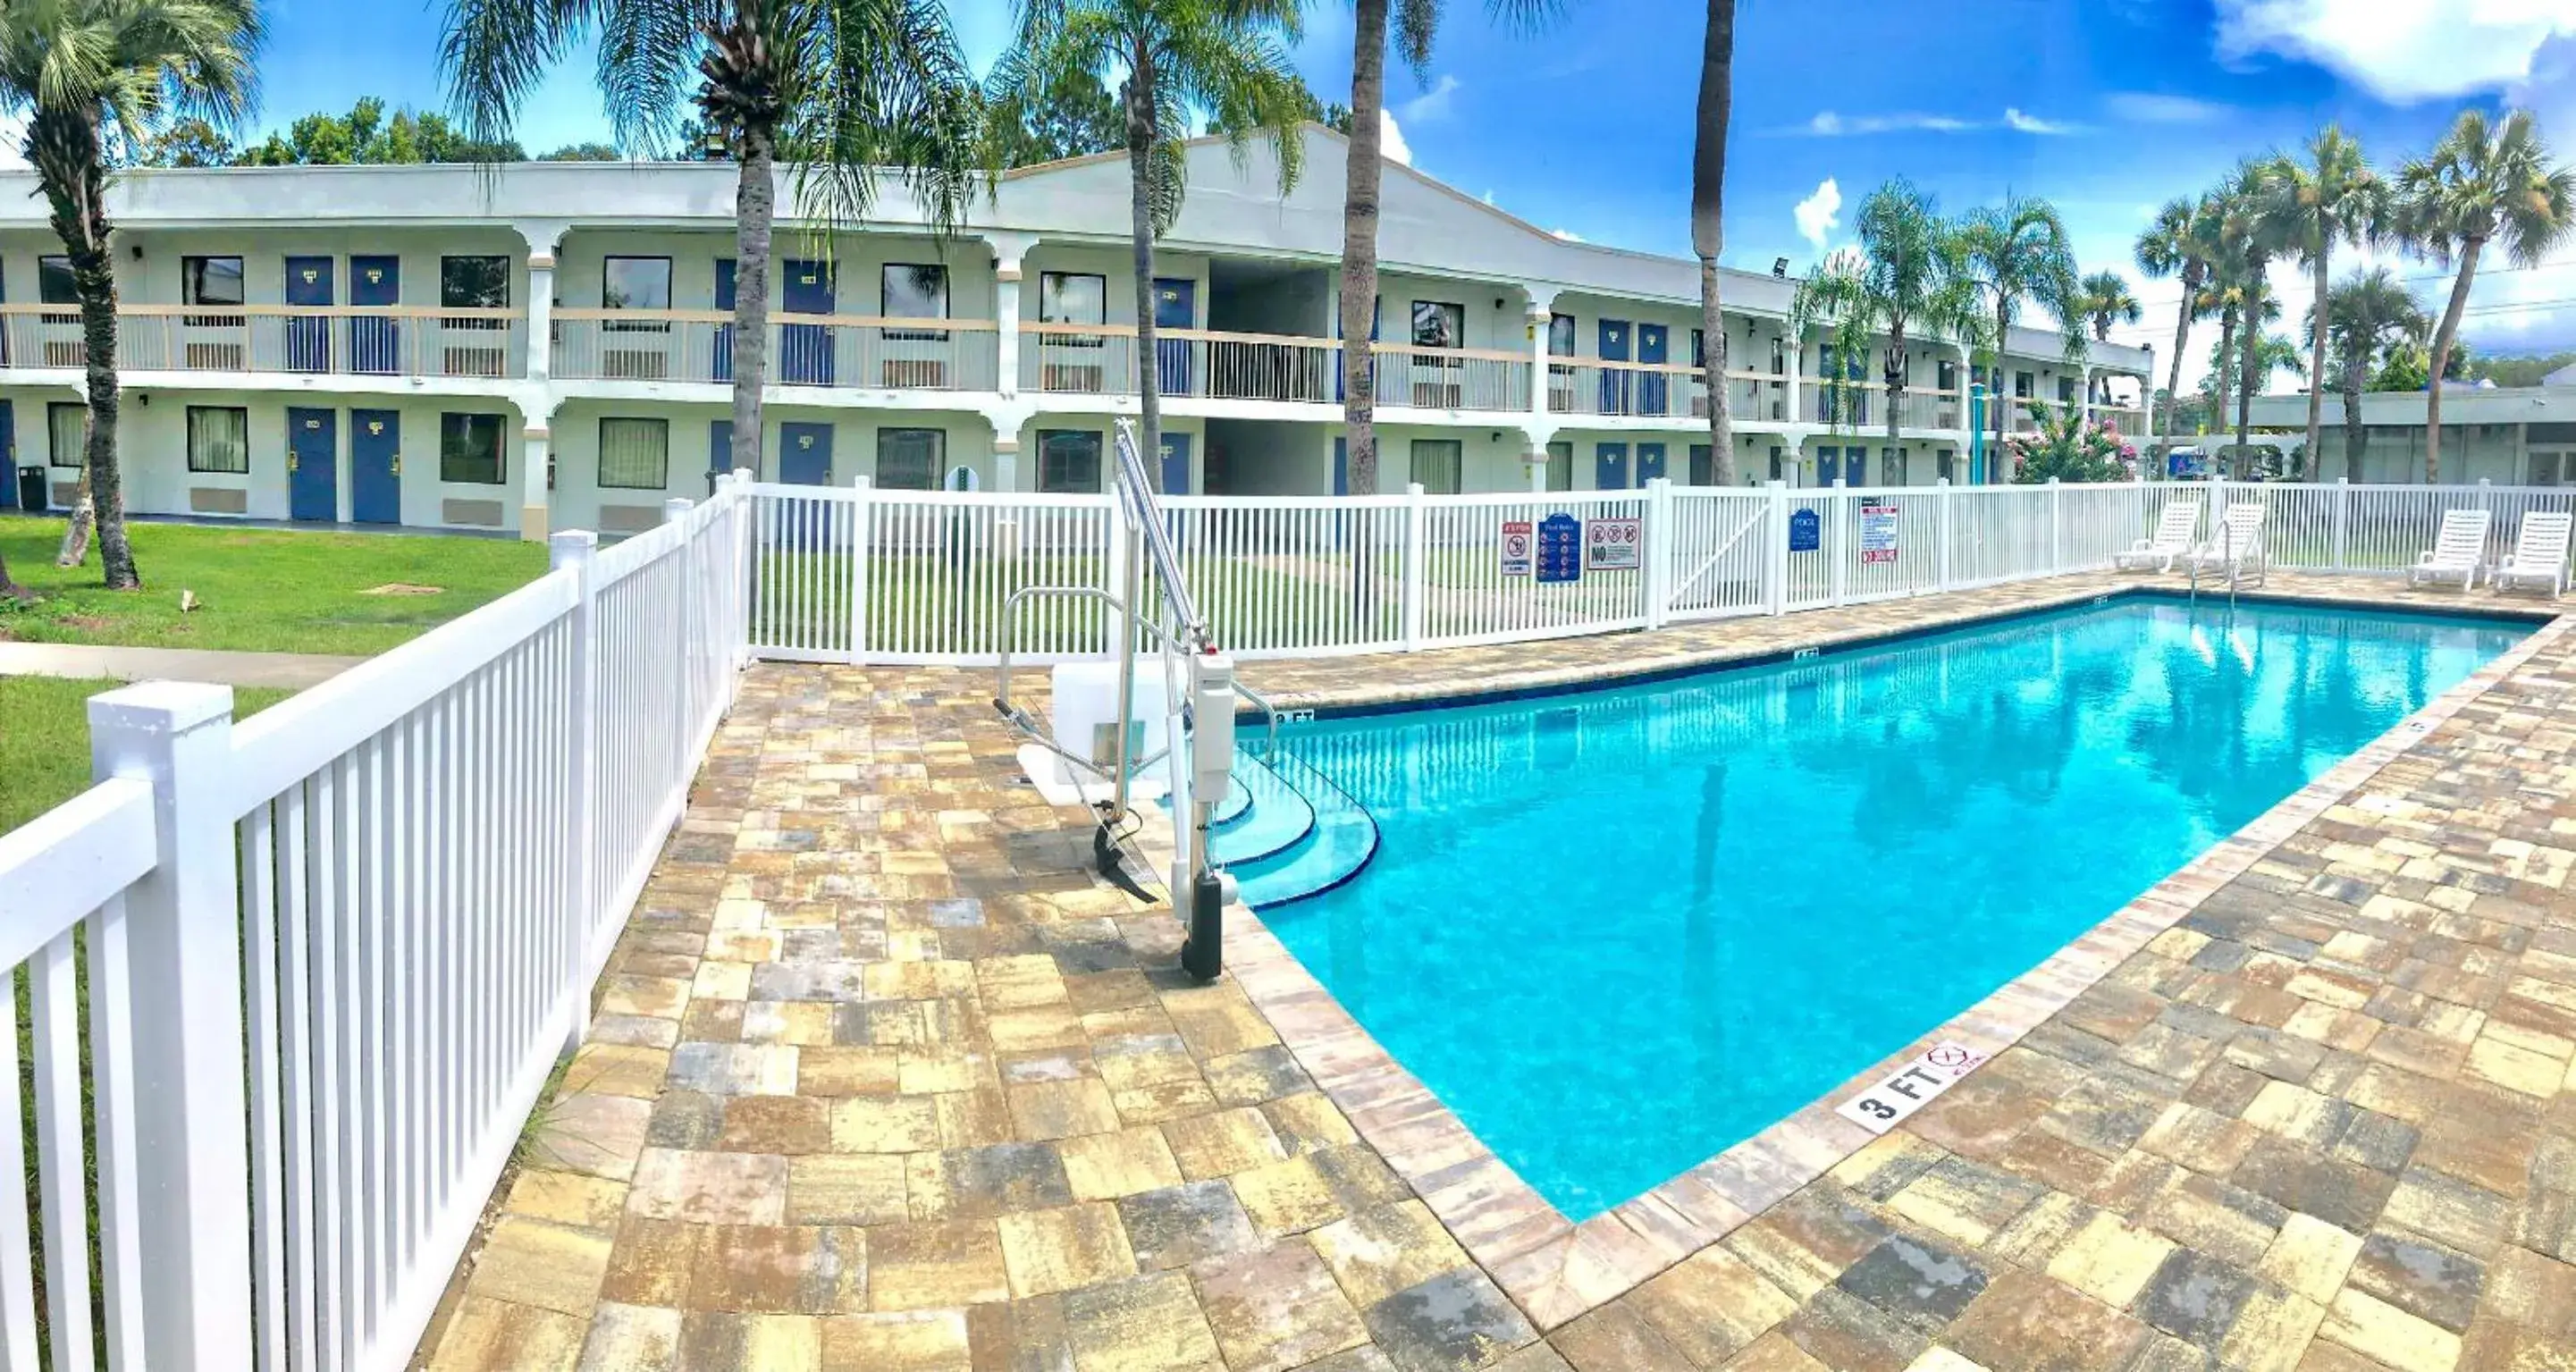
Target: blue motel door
x=805 y=350
x=312 y=464
x=375 y=466
x=1829 y=466
x=375 y=341
x=1610 y=467
x=1176 y=464
x=805 y=459
x=1175 y=307
x=1652 y=387
x=724 y=332
x=308 y=337
x=1650 y=462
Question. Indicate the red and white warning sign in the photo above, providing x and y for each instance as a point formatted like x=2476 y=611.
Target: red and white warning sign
x=1520 y=547
x=1911 y=1087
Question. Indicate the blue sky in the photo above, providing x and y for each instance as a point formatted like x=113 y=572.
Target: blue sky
x=2106 y=107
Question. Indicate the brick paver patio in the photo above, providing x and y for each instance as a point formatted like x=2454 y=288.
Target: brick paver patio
x=882 y=1078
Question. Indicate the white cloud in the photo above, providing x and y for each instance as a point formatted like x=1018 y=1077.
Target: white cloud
x=1817 y=214
x=1829 y=124
x=1390 y=139
x=1433 y=103
x=2019 y=122
x=2142 y=107
x=1568 y=235
x=2402 y=52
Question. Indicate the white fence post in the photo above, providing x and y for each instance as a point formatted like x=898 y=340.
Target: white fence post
x=574 y=549
x=1659 y=556
x=862 y=521
x=2056 y=527
x=1775 y=569
x=1838 y=574
x=674 y=510
x=1942 y=495
x=2342 y=519
x=1417 y=554
x=189 y=1161
x=746 y=545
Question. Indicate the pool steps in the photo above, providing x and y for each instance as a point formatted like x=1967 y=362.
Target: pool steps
x=1339 y=840
x=1274 y=818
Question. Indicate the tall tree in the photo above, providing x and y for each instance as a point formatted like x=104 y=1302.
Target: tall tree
x=2333 y=197
x=1908 y=279
x=2018 y=252
x=2104 y=299
x=1417 y=23
x=2181 y=243
x=2363 y=317
x=2486 y=181
x=1225 y=61
x=2253 y=236
x=95 y=82
x=845 y=91
x=1708 y=224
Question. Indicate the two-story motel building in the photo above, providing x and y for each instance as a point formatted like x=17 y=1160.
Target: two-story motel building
x=550 y=346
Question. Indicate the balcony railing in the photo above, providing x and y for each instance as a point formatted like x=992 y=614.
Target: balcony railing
x=1649 y=389
x=1100 y=359
x=858 y=351
x=1864 y=405
x=328 y=340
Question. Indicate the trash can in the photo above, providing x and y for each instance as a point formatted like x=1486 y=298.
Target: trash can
x=32 y=495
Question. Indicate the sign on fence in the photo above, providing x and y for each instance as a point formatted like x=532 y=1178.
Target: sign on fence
x=1615 y=545
x=1560 y=548
x=1520 y=547
x=1877 y=532
x=1806 y=531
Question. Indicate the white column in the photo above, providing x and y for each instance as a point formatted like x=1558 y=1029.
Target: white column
x=2084 y=391
x=536 y=465
x=1537 y=316
x=1008 y=250
x=172 y=1144
x=542 y=236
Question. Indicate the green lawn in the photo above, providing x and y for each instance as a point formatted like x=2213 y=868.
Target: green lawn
x=273 y=590
x=44 y=740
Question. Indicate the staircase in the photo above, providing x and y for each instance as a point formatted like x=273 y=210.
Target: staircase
x=1297 y=834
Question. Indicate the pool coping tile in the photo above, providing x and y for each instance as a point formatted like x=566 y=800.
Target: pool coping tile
x=1556 y=1269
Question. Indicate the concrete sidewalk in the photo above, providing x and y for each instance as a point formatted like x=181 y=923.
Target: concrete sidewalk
x=291 y=671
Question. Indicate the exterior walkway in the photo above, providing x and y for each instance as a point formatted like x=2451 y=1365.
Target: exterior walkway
x=289 y=671
x=882 y=1078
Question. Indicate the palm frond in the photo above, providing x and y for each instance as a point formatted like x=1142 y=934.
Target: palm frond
x=496 y=52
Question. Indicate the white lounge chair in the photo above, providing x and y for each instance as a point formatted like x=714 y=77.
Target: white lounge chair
x=2237 y=549
x=2176 y=527
x=2539 y=555
x=2459 y=551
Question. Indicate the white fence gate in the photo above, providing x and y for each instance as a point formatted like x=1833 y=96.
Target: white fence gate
x=330 y=954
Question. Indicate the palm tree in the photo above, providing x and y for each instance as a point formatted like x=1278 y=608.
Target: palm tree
x=842 y=91
x=1909 y=276
x=94 y=81
x=1708 y=226
x=2104 y=299
x=2016 y=252
x=2362 y=317
x=1416 y=25
x=2182 y=242
x=2333 y=197
x=2252 y=236
x=1225 y=60
x=2485 y=181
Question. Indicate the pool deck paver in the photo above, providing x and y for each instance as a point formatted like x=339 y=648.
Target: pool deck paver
x=882 y=1077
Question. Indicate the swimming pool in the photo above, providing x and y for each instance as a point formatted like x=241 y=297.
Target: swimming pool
x=1620 y=930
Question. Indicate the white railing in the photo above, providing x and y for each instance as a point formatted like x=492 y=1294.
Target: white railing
x=1100 y=359
x=850 y=351
x=332 y=953
x=344 y=340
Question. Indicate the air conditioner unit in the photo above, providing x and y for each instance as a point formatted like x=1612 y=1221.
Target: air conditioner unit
x=483 y=362
x=213 y=357
x=633 y=364
x=914 y=374
x=1061 y=376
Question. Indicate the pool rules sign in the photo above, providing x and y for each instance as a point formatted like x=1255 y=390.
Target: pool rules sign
x=1911 y=1087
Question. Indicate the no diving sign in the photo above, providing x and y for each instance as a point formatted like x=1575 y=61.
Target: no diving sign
x=1520 y=547
x=1910 y=1088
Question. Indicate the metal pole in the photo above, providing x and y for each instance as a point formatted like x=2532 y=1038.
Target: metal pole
x=1134 y=585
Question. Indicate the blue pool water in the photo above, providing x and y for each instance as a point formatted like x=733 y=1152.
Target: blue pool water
x=1619 y=931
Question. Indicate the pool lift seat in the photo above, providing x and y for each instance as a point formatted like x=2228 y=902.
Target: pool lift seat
x=1198 y=710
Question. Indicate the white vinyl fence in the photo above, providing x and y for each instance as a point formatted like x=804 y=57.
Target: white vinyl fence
x=331 y=953
x=296 y=982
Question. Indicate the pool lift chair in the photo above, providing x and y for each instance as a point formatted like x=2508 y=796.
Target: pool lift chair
x=1196 y=709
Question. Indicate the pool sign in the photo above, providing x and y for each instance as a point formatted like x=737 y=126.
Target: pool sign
x=1560 y=548
x=1911 y=1087
x=1613 y=545
x=1520 y=547
x=1806 y=531
x=1877 y=532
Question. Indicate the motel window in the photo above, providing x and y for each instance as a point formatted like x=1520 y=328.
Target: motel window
x=2023 y=385
x=632 y=283
x=1946 y=376
x=211 y=281
x=67 y=434
x=1560 y=335
x=634 y=454
x=2066 y=390
x=1699 y=348
x=1775 y=463
x=913 y=290
x=910 y=459
x=475 y=283
x=1439 y=325
x=1560 y=464
x=2550 y=469
x=1943 y=465
x=1072 y=298
x=1069 y=462
x=1436 y=463
x=469 y=448
x=1779 y=357
x=218 y=439
x=1703 y=465
x=54 y=282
